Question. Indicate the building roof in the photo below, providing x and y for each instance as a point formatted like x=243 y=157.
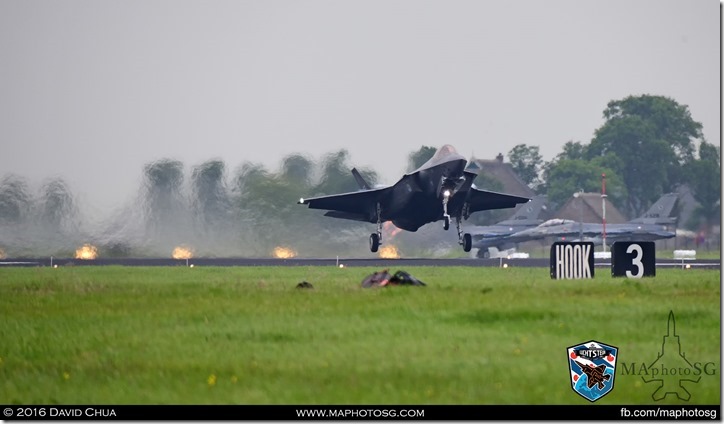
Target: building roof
x=503 y=172
x=592 y=211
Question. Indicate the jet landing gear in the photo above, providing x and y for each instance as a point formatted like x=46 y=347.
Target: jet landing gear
x=445 y=215
x=466 y=240
x=376 y=238
x=374 y=242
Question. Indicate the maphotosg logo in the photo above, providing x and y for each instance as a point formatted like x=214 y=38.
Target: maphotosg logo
x=592 y=367
x=671 y=372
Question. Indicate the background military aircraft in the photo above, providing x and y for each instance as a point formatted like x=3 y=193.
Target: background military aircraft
x=657 y=223
x=496 y=236
x=440 y=189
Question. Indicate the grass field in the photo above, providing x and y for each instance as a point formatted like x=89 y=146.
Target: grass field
x=246 y=335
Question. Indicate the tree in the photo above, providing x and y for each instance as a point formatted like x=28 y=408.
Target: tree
x=418 y=158
x=569 y=176
x=572 y=150
x=56 y=207
x=653 y=136
x=210 y=198
x=704 y=176
x=297 y=169
x=165 y=209
x=668 y=120
x=268 y=205
x=16 y=206
x=527 y=163
x=337 y=176
x=15 y=200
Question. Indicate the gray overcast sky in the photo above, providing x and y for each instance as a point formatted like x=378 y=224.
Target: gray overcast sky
x=94 y=90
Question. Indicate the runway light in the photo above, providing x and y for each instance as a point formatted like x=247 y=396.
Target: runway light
x=688 y=266
x=341 y=265
x=55 y=266
x=182 y=252
x=86 y=252
x=191 y=266
x=505 y=265
x=389 y=252
x=282 y=252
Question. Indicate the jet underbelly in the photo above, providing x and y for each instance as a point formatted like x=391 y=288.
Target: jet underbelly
x=416 y=212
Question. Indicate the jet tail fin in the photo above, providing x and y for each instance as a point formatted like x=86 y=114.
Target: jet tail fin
x=660 y=212
x=360 y=181
x=528 y=213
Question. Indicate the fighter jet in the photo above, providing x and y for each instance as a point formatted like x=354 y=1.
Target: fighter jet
x=656 y=224
x=488 y=238
x=596 y=374
x=440 y=189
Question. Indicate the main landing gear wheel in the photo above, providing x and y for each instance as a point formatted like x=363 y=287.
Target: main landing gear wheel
x=467 y=242
x=374 y=242
x=446 y=223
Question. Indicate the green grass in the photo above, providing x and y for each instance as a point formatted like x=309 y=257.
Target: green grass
x=246 y=335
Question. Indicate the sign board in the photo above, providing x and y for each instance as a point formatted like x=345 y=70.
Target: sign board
x=633 y=259
x=572 y=260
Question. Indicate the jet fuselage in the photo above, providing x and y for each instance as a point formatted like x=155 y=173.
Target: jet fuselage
x=417 y=198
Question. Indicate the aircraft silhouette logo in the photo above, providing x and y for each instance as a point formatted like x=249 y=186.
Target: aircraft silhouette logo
x=678 y=369
x=592 y=368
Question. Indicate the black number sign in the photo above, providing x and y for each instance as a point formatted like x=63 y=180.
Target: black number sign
x=633 y=259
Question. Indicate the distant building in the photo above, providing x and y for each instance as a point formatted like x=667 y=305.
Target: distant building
x=503 y=172
x=588 y=207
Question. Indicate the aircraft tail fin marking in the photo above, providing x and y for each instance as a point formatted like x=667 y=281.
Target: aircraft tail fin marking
x=660 y=212
x=528 y=212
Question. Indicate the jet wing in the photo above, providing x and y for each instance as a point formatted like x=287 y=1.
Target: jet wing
x=637 y=235
x=482 y=200
x=357 y=205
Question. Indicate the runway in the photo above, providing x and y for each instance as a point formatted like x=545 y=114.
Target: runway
x=337 y=262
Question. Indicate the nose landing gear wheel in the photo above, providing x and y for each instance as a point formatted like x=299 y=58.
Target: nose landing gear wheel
x=446 y=223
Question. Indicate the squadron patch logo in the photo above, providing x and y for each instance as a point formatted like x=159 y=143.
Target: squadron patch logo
x=592 y=367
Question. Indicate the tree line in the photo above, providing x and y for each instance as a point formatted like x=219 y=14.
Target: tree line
x=249 y=213
x=647 y=146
